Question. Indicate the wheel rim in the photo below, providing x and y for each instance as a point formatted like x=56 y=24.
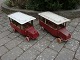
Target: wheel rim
x=27 y=38
x=59 y=40
x=14 y=30
x=42 y=28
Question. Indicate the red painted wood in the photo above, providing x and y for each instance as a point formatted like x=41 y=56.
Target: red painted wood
x=28 y=31
x=61 y=33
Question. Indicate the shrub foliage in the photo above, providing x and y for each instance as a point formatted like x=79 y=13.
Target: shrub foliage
x=43 y=5
x=19 y=3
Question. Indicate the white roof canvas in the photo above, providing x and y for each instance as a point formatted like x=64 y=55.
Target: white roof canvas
x=21 y=17
x=57 y=19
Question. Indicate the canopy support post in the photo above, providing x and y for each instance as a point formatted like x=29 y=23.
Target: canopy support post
x=32 y=22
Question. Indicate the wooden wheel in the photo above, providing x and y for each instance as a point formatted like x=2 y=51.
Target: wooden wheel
x=59 y=40
x=42 y=28
x=14 y=30
x=65 y=41
x=27 y=38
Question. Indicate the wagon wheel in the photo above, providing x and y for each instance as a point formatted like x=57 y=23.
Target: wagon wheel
x=65 y=41
x=14 y=30
x=27 y=38
x=42 y=28
x=59 y=40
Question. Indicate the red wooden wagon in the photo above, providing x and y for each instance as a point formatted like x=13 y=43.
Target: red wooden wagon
x=21 y=23
x=55 y=24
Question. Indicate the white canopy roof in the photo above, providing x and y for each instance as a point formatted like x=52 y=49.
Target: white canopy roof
x=21 y=17
x=54 y=17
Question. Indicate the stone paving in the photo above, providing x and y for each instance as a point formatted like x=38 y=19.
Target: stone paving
x=13 y=46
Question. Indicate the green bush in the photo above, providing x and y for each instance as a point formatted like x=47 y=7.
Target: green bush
x=19 y=3
x=70 y=4
x=43 y=5
x=36 y=5
x=9 y=3
x=51 y=5
x=54 y=5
